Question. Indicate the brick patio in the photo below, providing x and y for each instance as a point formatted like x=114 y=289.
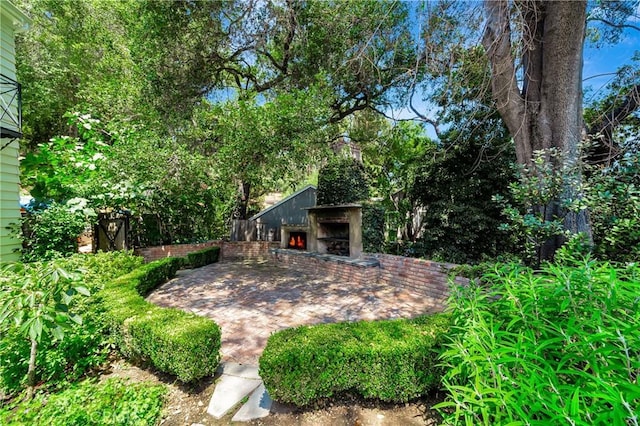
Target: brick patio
x=250 y=300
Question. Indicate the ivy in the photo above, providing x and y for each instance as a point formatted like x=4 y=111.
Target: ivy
x=342 y=181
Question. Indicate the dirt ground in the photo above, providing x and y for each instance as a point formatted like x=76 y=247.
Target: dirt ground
x=187 y=406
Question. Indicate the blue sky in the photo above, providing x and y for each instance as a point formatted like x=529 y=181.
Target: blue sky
x=608 y=59
x=600 y=64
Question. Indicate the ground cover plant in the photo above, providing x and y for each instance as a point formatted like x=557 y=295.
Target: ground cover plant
x=112 y=402
x=67 y=353
x=556 y=346
x=392 y=360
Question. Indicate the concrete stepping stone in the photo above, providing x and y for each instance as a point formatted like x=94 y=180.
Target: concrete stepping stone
x=258 y=406
x=239 y=370
x=228 y=392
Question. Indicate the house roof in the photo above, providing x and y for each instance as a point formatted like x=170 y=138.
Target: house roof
x=279 y=203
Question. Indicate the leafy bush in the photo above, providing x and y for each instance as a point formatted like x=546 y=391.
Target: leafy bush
x=373 y=228
x=614 y=207
x=392 y=360
x=113 y=402
x=174 y=341
x=52 y=232
x=459 y=222
x=36 y=303
x=102 y=267
x=342 y=181
x=203 y=257
x=560 y=346
x=541 y=204
x=84 y=346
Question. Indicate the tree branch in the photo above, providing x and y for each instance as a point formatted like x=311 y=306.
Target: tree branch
x=614 y=25
x=602 y=130
x=497 y=42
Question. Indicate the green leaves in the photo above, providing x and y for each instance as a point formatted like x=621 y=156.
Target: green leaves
x=540 y=202
x=51 y=233
x=113 y=402
x=342 y=181
x=72 y=339
x=37 y=298
x=66 y=167
x=76 y=56
x=554 y=346
x=390 y=360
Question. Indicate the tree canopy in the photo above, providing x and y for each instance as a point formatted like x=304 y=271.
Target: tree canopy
x=233 y=99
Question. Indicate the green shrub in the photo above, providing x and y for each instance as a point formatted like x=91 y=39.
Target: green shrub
x=151 y=275
x=84 y=347
x=102 y=267
x=342 y=181
x=458 y=221
x=393 y=360
x=614 y=210
x=174 y=341
x=557 y=346
x=113 y=402
x=52 y=232
x=373 y=228
x=203 y=257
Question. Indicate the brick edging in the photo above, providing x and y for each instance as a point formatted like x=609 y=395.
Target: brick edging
x=417 y=275
x=229 y=250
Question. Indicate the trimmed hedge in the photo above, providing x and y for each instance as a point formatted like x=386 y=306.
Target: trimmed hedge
x=203 y=257
x=391 y=360
x=153 y=274
x=174 y=341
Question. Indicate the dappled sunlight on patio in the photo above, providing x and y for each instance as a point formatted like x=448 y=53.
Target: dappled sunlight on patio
x=252 y=300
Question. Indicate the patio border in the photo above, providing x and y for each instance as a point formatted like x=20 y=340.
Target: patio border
x=229 y=250
x=420 y=276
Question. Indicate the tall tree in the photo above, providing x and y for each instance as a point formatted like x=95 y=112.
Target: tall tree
x=392 y=155
x=262 y=145
x=612 y=120
x=361 y=50
x=75 y=57
x=544 y=110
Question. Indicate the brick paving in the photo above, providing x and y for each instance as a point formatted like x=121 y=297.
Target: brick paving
x=250 y=300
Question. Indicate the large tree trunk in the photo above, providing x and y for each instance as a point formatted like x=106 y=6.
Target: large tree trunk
x=545 y=111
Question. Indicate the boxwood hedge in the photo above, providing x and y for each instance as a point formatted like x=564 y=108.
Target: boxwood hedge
x=391 y=360
x=202 y=257
x=174 y=341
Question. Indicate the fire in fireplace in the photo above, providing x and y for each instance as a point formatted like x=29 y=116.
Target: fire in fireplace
x=297 y=240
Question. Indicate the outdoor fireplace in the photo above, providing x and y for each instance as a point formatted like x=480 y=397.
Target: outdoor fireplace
x=294 y=237
x=336 y=230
